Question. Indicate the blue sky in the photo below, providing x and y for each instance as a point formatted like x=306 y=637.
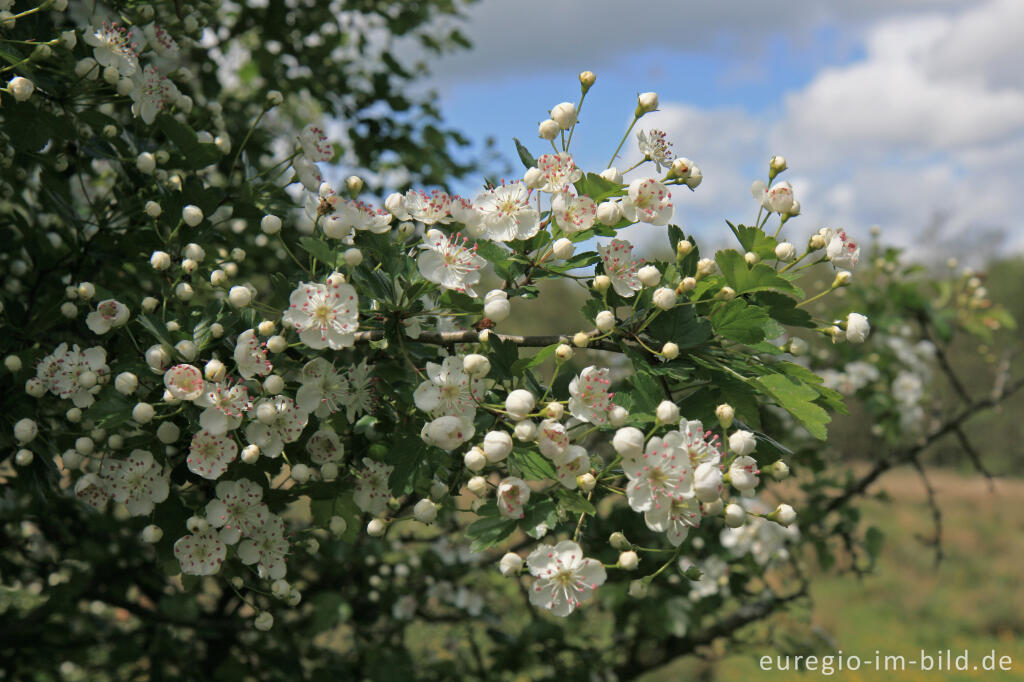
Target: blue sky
x=907 y=114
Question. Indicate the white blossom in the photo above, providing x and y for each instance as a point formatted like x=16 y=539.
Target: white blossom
x=137 y=481
x=506 y=214
x=620 y=267
x=286 y=427
x=513 y=493
x=200 y=553
x=647 y=201
x=565 y=579
x=372 y=492
x=108 y=315
x=589 y=399
x=251 y=355
x=325 y=315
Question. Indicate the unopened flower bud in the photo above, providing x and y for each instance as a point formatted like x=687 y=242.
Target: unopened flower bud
x=526 y=431
x=609 y=213
x=126 y=383
x=476 y=485
x=425 y=511
x=784 y=515
x=687 y=284
x=776 y=165
x=843 y=279
x=143 y=413
x=628 y=560
x=149 y=304
x=337 y=525
x=664 y=298
x=273 y=384
x=548 y=129
x=511 y=564
x=618 y=415
x=638 y=589
x=533 y=178
x=152 y=533
x=376 y=528
x=612 y=175
x=735 y=516
x=605 y=320
x=277 y=344
x=670 y=351
x=646 y=102
x=192 y=215
x=329 y=471
x=476 y=365
x=725 y=414
x=354 y=185
x=816 y=242
x=564 y=115
x=649 y=275
x=751 y=258
x=601 y=283
x=586 y=482
x=564 y=352
x=726 y=294
x=779 y=470
x=475 y=459
x=21 y=88
x=353 y=257
x=705 y=266
x=563 y=249
x=519 y=404
x=785 y=252
x=580 y=339
x=554 y=410
x=264 y=621
x=250 y=453
x=666 y=412
x=239 y=296
x=587 y=79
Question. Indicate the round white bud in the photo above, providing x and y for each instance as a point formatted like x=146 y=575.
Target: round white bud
x=300 y=473
x=779 y=470
x=564 y=115
x=143 y=413
x=497 y=446
x=563 y=249
x=184 y=291
x=612 y=175
x=580 y=339
x=69 y=310
x=628 y=441
x=526 y=431
x=152 y=534
x=520 y=403
x=149 y=304
x=157 y=357
x=167 y=433
x=329 y=471
x=239 y=296
x=337 y=525
x=666 y=412
x=425 y=511
x=564 y=352
x=511 y=564
x=605 y=321
x=476 y=365
x=353 y=257
x=475 y=459
x=742 y=443
x=785 y=252
x=725 y=414
x=628 y=560
x=277 y=344
x=192 y=215
x=646 y=102
x=146 y=163
x=35 y=388
x=25 y=431
x=126 y=383
x=735 y=516
x=784 y=515
x=74 y=415
x=618 y=415
x=688 y=284
x=601 y=283
x=497 y=310
x=638 y=589
x=664 y=298
x=586 y=482
x=548 y=129
x=12 y=363
x=266 y=413
x=554 y=410
x=609 y=213
x=250 y=453
x=270 y=224
x=670 y=351
x=376 y=528
x=265 y=620
x=649 y=275
x=273 y=384
x=21 y=88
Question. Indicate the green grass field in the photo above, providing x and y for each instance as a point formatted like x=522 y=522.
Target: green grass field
x=973 y=600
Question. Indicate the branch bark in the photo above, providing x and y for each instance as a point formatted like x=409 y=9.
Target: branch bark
x=471 y=336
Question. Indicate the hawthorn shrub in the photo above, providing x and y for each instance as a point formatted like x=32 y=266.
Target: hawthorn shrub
x=265 y=420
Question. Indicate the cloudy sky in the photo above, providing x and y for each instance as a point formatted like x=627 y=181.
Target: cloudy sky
x=906 y=114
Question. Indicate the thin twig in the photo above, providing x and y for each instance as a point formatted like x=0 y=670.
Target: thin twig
x=935 y=542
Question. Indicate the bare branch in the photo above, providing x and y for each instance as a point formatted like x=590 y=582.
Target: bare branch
x=935 y=542
x=950 y=426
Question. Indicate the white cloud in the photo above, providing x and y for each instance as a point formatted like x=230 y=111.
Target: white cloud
x=928 y=126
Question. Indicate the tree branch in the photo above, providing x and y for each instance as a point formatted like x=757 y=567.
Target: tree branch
x=471 y=336
x=950 y=426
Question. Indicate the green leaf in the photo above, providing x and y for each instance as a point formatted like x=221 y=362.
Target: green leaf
x=533 y=466
x=760 y=277
x=406 y=456
x=646 y=393
x=489 y=531
x=574 y=502
x=156 y=328
x=319 y=249
x=523 y=364
x=196 y=154
x=542 y=510
x=796 y=398
x=491 y=251
x=597 y=188
x=681 y=326
x=524 y=154
x=783 y=309
x=753 y=239
x=503 y=355
x=740 y=322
